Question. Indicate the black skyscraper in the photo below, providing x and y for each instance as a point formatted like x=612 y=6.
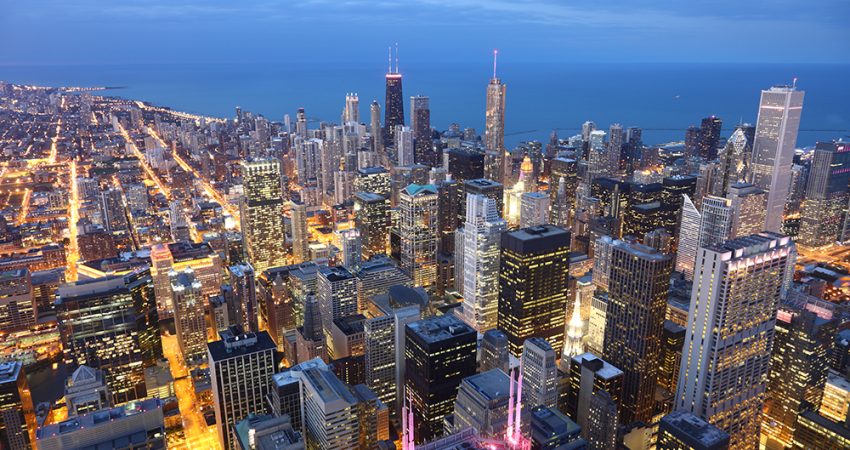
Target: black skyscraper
x=394 y=103
x=709 y=137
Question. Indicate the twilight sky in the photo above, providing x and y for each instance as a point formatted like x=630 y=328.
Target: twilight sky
x=173 y=31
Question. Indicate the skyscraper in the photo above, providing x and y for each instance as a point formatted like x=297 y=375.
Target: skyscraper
x=534 y=209
x=17 y=303
x=261 y=214
x=482 y=403
x=420 y=122
x=394 y=103
x=735 y=159
x=798 y=370
x=481 y=238
x=682 y=430
x=190 y=319
x=778 y=122
x=615 y=146
x=242 y=281
x=495 y=167
x=589 y=374
x=351 y=113
x=418 y=232
x=539 y=374
x=747 y=203
x=638 y=287
x=533 y=282
x=337 y=294
x=689 y=225
x=716 y=221
x=350 y=244
x=17 y=416
x=404 y=146
x=730 y=332
x=493 y=353
x=826 y=195
x=241 y=369
x=439 y=353
x=110 y=324
x=709 y=137
x=300 y=235
x=375 y=128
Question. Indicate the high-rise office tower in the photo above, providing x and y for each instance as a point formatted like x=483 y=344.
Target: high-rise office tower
x=672 y=341
x=603 y=417
x=689 y=226
x=439 y=353
x=539 y=374
x=241 y=369
x=310 y=341
x=261 y=214
x=308 y=159
x=589 y=374
x=112 y=209
x=735 y=159
x=615 y=146
x=420 y=122
x=533 y=282
x=242 y=281
x=301 y=123
x=384 y=342
x=637 y=289
x=351 y=246
x=404 y=146
x=300 y=235
x=534 y=209
x=482 y=403
x=681 y=430
x=495 y=165
x=481 y=238
x=709 y=137
x=375 y=128
x=332 y=415
x=747 y=203
x=821 y=221
x=372 y=218
x=189 y=313
x=493 y=353
x=393 y=103
x=798 y=370
x=376 y=277
x=17 y=302
x=487 y=188
x=778 y=122
x=730 y=332
x=716 y=221
x=337 y=294
x=351 y=113
x=178 y=256
x=465 y=163
x=17 y=416
x=417 y=227
x=110 y=324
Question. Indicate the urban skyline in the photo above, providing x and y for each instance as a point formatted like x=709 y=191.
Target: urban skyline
x=371 y=280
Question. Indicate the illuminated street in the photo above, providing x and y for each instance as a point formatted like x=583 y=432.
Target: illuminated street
x=197 y=435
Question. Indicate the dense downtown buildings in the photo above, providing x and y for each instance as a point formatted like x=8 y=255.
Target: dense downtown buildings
x=248 y=283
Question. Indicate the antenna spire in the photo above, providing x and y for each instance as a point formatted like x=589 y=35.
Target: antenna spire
x=794 y=82
x=495 y=55
x=396 y=57
x=390 y=59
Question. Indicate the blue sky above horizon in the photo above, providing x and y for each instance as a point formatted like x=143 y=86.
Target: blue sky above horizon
x=205 y=31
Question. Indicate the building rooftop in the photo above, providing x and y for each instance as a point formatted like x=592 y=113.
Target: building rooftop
x=536 y=239
x=440 y=328
x=554 y=422
x=235 y=343
x=95 y=418
x=749 y=245
x=423 y=189
x=352 y=324
x=492 y=384
x=692 y=426
x=601 y=367
x=335 y=273
x=482 y=183
x=9 y=371
x=369 y=197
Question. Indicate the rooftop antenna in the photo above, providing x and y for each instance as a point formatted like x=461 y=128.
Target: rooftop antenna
x=495 y=55
x=390 y=59
x=794 y=82
x=396 y=57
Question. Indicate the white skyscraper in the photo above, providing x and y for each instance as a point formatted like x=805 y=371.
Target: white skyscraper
x=534 y=209
x=404 y=145
x=481 y=238
x=539 y=374
x=417 y=228
x=300 y=235
x=729 y=337
x=351 y=113
x=689 y=226
x=716 y=221
x=350 y=245
x=773 y=150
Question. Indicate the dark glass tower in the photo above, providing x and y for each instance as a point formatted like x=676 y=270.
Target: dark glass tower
x=533 y=283
x=394 y=103
x=709 y=137
x=439 y=353
x=420 y=121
